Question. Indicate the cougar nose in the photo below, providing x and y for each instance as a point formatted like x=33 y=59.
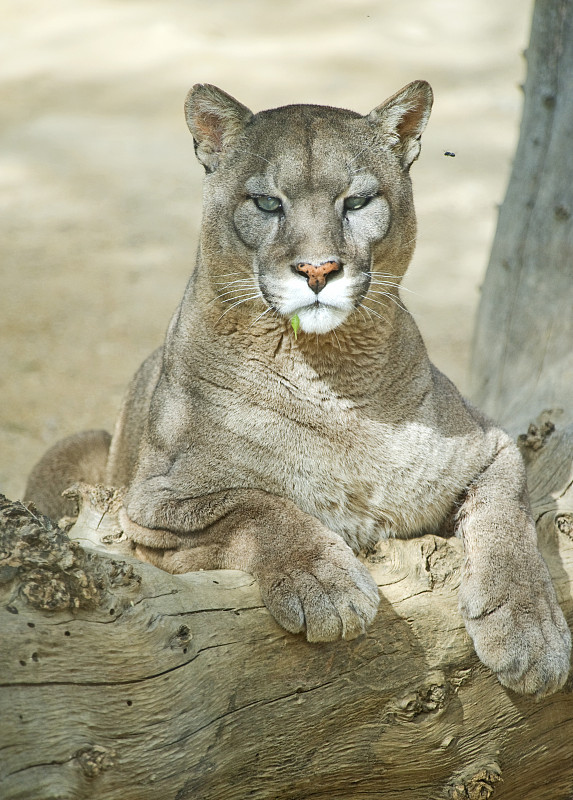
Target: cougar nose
x=317 y=276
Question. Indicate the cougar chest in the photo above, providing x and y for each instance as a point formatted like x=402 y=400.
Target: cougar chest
x=362 y=476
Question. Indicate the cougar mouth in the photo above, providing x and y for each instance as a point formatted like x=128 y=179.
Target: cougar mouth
x=322 y=295
x=321 y=317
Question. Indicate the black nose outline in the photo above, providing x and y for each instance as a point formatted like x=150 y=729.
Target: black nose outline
x=318 y=275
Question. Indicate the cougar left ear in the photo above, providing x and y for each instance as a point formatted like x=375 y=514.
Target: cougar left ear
x=215 y=119
x=402 y=119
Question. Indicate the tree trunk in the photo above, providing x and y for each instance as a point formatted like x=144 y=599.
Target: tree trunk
x=523 y=345
x=121 y=682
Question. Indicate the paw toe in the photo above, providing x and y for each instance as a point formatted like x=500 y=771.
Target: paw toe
x=528 y=655
x=330 y=601
x=282 y=600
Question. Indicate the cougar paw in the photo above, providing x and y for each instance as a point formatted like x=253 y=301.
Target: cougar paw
x=524 y=638
x=332 y=597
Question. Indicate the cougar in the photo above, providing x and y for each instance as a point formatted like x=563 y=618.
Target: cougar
x=292 y=416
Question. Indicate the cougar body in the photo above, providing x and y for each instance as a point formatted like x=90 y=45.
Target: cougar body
x=292 y=416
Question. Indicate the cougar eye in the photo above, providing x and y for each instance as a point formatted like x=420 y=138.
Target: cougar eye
x=268 y=204
x=356 y=202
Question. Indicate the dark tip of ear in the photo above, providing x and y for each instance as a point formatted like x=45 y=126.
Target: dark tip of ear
x=423 y=85
x=198 y=92
x=208 y=89
x=424 y=88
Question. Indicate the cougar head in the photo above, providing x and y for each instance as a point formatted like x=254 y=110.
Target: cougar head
x=308 y=207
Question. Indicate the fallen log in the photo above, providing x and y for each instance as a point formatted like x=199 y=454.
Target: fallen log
x=122 y=681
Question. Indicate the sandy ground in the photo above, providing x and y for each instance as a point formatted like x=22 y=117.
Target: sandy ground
x=100 y=192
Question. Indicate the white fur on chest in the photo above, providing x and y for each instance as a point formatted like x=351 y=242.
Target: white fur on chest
x=380 y=480
x=363 y=478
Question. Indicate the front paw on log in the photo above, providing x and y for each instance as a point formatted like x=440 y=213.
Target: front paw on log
x=523 y=638
x=331 y=597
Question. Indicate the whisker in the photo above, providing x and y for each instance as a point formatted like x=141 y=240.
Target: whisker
x=377 y=314
x=236 y=291
x=390 y=297
x=241 y=297
x=256 y=155
x=375 y=279
x=395 y=300
x=365 y=150
x=238 y=303
x=411 y=291
x=237 y=283
x=236 y=286
x=373 y=313
x=230 y=283
x=410 y=241
x=270 y=308
x=374 y=274
x=387 y=284
x=394 y=286
x=230 y=275
x=337 y=339
x=362 y=311
x=382 y=291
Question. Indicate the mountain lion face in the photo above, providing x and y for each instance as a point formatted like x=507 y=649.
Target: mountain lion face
x=316 y=201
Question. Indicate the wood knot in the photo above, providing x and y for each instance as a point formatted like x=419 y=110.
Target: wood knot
x=94 y=759
x=564 y=523
x=478 y=786
x=536 y=436
x=429 y=699
x=181 y=639
x=562 y=213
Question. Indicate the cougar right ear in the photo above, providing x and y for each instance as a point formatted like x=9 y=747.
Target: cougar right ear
x=402 y=119
x=215 y=119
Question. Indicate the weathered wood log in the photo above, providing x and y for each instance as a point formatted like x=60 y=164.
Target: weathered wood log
x=122 y=681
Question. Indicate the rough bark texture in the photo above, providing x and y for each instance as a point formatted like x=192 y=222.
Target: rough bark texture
x=122 y=681
x=523 y=347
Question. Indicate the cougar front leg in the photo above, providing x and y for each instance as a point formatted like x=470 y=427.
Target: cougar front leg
x=507 y=598
x=309 y=578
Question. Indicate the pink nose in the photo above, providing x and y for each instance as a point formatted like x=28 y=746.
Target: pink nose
x=317 y=276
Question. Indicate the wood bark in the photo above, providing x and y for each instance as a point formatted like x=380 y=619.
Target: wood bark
x=523 y=343
x=121 y=681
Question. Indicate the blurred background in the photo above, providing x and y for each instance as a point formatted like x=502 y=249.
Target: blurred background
x=100 y=192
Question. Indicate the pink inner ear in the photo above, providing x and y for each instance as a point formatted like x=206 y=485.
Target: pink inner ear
x=409 y=125
x=209 y=125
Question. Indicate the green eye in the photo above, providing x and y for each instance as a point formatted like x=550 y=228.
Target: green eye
x=356 y=202
x=268 y=204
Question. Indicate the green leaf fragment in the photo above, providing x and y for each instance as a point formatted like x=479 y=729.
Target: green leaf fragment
x=295 y=322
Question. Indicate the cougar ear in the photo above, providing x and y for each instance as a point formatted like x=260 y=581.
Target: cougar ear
x=402 y=119
x=215 y=119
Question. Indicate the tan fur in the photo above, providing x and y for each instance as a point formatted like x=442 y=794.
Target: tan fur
x=81 y=457
x=247 y=445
